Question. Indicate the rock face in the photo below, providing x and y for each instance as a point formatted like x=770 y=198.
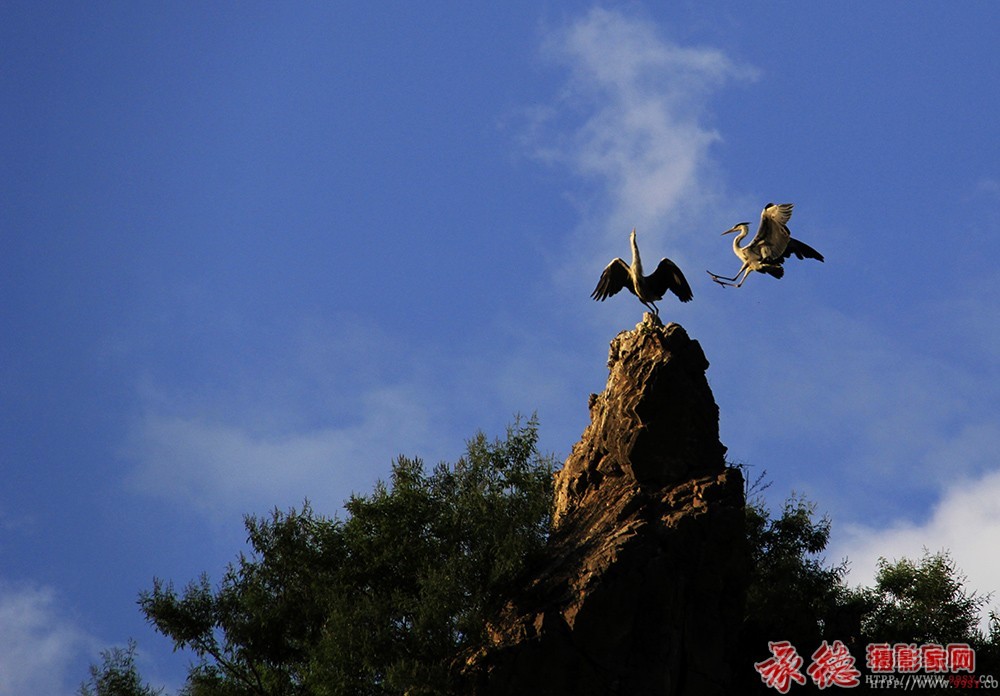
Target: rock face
x=641 y=589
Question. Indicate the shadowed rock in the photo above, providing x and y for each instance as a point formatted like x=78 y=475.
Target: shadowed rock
x=641 y=588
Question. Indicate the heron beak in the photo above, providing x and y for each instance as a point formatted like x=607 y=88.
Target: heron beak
x=736 y=227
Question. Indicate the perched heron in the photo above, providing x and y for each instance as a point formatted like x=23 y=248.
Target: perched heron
x=769 y=248
x=648 y=289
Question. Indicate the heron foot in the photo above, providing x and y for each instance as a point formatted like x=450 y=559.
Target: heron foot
x=716 y=279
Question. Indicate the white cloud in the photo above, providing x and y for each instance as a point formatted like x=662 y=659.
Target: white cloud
x=865 y=419
x=324 y=416
x=826 y=395
x=822 y=393
x=631 y=116
x=889 y=429
x=965 y=522
x=39 y=647
x=988 y=186
x=231 y=467
x=327 y=416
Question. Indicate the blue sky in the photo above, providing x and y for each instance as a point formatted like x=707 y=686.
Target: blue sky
x=251 y=252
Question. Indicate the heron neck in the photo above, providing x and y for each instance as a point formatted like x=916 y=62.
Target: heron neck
x=636 y=261
x=739 y=238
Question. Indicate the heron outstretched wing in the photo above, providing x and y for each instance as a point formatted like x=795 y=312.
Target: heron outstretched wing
x=801 y=250
x=668 y=276
x=615 y=277
x=773 y=235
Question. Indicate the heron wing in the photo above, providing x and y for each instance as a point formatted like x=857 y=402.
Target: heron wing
x=773 y=235
x=668 y=276
x=801 y=250
x=615 y=277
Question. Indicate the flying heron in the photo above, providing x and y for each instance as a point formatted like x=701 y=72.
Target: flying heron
x=648 y=289
x=769 y=248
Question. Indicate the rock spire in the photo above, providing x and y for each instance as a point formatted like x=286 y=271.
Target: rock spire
x=641 y=588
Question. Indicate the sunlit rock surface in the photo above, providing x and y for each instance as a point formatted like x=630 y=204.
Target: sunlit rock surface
x=641 y=589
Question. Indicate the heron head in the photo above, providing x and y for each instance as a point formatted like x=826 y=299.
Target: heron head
x=738 y=226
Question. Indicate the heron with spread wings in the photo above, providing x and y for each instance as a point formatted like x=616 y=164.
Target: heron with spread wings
x=767 y=251
x=648 y=289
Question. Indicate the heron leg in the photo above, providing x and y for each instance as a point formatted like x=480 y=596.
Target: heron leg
x=745 y=276
x=718 y=278
x=650 y=305
x=732 y=281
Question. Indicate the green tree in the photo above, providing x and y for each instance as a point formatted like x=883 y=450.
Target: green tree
x=381 y=601
x=921 y=602
x=926 y=601
x=793 y=595
x=117 y=675
x=377 y=603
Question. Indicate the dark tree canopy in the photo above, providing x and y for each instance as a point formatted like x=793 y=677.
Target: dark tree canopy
x=117 y=675
x=793 y=595
x=921 y=602
x=376 y=603
x=382 y=601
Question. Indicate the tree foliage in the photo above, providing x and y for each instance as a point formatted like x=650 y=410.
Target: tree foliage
x=376 y=603
x=921 y=601
x=381 y=601
x=117 y=675
x=794 y=595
